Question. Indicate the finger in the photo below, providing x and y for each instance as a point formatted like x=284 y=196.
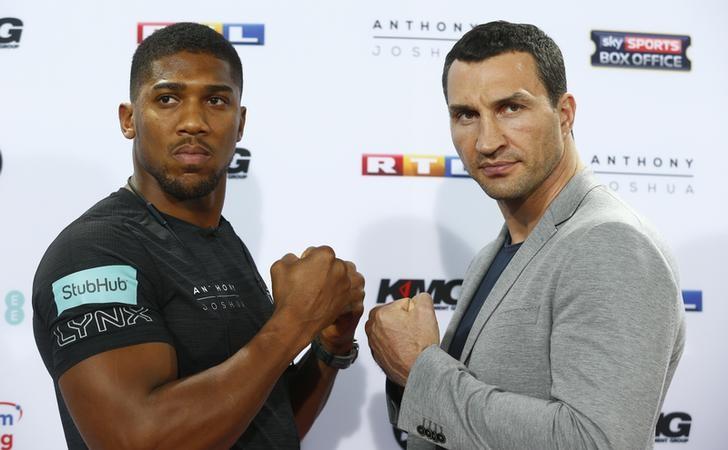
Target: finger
x=368 y=328
x=423 y=300
x=402 y=303
x=357 y=309
x=373 y=313
x=323 y=250
x=351 y=266
x=338 y=270
x=289 y=258
x=286 y=260
x=307 y=251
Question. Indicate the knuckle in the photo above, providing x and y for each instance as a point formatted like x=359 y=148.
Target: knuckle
x=326 y=251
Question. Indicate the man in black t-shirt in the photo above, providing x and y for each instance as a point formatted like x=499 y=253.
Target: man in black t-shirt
x=149 y=312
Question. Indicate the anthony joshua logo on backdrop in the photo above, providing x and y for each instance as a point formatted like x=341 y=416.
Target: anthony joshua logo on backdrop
x=640 y=50
x=10 y=31
x=646 y=174
x=413 y=38
x=240 y=163
x=445 y=293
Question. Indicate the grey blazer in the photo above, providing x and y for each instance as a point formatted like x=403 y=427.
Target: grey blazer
x=575 y=346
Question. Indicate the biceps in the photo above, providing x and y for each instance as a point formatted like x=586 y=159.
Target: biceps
x=107 y=394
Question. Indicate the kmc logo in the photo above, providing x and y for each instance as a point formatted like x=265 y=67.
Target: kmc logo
x=444 y=293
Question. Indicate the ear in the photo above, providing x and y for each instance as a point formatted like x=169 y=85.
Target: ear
x=241 y=125
x=126 y=120
x=567 y=113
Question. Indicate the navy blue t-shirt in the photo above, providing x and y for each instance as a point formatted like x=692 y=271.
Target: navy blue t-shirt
x=500 y=262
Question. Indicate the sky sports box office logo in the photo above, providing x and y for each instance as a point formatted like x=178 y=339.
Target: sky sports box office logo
x=235 y=33
x=640 y=50
x=413 y=165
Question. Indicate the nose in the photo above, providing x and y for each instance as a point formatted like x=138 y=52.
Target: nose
x=490 y=136
x=192 y=120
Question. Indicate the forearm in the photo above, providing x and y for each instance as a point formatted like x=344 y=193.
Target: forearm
x=208 y=410
x=225 y=399
x=473 y=414
x=312 y=384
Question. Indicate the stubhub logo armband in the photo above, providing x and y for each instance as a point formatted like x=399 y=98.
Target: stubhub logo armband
x=105 y=284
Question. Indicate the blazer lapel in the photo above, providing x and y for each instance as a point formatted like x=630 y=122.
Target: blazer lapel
x=479 y=266
x=560 y=210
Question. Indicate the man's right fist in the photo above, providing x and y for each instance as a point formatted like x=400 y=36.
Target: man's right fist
x=315 y=288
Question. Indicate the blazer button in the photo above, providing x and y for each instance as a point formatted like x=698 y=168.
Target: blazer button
x=421 y=430
x=428 y=433
x=440 y=438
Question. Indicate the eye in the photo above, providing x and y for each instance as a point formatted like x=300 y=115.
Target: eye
x=166 y=100
x=218 y=101
x=464 y=116
x=512 y=108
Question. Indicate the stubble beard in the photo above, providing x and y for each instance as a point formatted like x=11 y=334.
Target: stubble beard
x=183 y=191
x=520 y=186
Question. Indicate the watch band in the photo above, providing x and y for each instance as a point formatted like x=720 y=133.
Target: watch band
x=332 y=360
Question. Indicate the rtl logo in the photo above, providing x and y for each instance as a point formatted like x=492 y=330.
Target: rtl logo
x=240 y=163
x=444 y=293
x=10 y=31
x=413 y=165
x=235 y=33
x=674 y=426
x=693 y=300
x=10 y=415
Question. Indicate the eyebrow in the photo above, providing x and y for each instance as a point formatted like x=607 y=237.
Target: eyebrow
x=515 y=97
x=174 y=86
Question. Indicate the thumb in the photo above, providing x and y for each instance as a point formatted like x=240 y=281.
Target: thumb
x=422 y=300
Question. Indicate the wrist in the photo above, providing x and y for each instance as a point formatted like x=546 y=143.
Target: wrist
x=335 y=360
x=339 y=346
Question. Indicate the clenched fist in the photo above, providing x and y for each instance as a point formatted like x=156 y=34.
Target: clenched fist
x=399 y=331
x=319 y=292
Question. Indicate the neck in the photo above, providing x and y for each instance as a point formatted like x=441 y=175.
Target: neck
x=522 y=215
x=204 y=212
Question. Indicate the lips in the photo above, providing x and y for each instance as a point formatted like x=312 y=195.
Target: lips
x=498 y=168
x=191 y=154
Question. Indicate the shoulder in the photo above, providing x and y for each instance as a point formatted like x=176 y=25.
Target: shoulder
x=103 y=243
x=105 y=231
x=609 y=250
x=604 y=223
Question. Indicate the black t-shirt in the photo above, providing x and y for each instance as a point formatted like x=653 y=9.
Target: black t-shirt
x=117 y=277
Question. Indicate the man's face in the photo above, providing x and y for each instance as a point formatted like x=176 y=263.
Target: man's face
x=503 y=126
x=186 y=121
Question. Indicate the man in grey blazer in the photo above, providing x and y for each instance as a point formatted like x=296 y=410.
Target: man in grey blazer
x=570 y=324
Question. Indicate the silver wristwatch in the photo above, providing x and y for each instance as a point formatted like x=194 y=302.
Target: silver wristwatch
x=332 y=360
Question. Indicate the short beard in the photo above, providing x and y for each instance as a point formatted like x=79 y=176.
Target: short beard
x=183 y=191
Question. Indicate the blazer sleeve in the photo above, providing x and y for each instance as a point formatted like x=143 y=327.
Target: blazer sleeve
x=617 y=327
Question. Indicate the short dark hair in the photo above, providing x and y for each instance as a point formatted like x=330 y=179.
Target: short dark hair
x=181 y=37
x=495 y=38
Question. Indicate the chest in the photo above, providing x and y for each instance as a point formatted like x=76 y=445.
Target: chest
x=213 y=301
